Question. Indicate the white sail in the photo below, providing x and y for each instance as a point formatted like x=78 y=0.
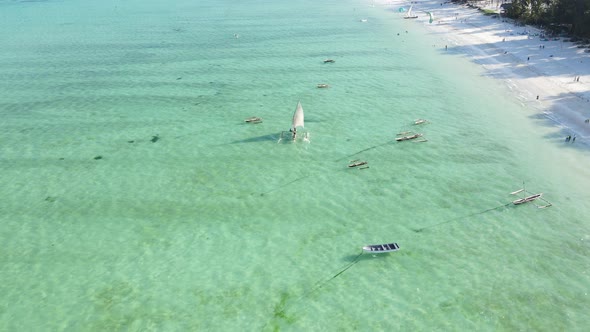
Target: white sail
x=409 y=14
x=298 y=117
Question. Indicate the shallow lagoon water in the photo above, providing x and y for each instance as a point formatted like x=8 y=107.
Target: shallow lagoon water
x=215 y=226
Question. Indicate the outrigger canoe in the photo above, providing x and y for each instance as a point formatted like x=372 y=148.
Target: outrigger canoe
x=527 y=199
x=357 y=163
x=253 y=119
x=405 y=138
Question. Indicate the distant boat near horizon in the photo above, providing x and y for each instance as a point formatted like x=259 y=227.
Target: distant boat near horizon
x=409 y=14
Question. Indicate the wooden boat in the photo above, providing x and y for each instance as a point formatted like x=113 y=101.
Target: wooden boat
x=527 y=199
x=381 y=248
x=356 y=163
x=405 y=138
x=253 y=119
x=329 y=61
x=530 y=198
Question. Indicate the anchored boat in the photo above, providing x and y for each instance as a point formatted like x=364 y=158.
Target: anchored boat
x=298 y=122
x=527 y=199
x=381 y=248
x=409 y=137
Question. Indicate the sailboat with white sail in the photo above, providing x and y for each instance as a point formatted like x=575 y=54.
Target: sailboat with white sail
x=298 y=122
x=409 y=14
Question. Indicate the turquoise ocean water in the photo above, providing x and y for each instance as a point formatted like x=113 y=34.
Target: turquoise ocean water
x=134 y=197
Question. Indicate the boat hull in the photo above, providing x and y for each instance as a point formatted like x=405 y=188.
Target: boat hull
x=527 y=199
x=381 y=248
x=407 y=138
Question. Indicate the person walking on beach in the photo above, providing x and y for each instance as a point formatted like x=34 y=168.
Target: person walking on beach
x=574 y=139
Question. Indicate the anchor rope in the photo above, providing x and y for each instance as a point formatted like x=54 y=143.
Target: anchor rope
x=361 y=151
x=461 y=217
x=281 y=308
x=321 y=283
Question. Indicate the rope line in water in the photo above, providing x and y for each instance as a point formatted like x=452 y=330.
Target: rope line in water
x=459 y=218
x=280 y=309
x=356 y=260
x=361 y=151
x=321 y=283
x=282 y=186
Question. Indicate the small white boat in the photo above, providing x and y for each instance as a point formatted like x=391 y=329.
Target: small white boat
x=253 y=119
x=356 y=163
x=409 y=137
x=420 y=121
x=381 y=248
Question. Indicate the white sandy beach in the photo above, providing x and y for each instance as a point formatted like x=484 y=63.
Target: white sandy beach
x=519 y=56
